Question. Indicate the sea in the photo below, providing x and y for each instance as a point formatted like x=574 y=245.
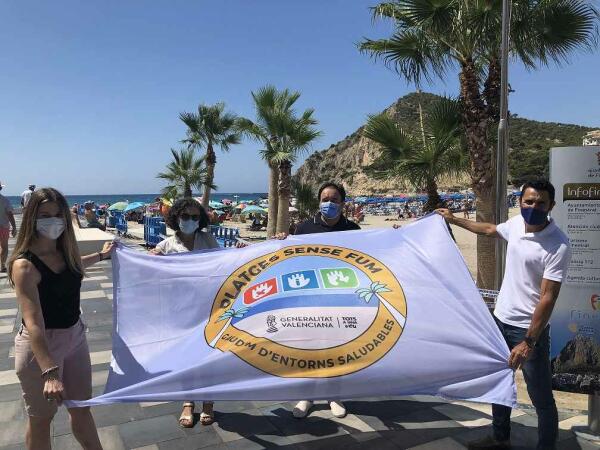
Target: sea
x=15 y=201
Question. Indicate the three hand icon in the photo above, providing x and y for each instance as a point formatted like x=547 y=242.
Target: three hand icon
x=297 y=281
x=261 y=290
x=336 y=276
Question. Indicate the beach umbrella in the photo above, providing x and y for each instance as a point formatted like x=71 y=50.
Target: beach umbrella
x=241 y=205
x=119 y=206
x=226 y=201
x=252 y=209
x=134 y=205
x=215 y=205
x=218 y=212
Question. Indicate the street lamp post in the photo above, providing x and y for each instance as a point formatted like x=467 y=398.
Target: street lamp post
x=502 y=150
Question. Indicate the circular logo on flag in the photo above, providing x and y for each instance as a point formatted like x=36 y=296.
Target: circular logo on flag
x=309 y=311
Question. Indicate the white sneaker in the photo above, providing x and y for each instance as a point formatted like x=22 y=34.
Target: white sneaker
x=302 y=408
x=337 y=409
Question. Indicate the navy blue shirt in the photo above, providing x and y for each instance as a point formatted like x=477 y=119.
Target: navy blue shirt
x=317 y=225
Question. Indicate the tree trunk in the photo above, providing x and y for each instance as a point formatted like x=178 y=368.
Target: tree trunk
x=211 y=161
x=486 y=247
x=421 y=120
x=482 y=168
x=284 y=192
x=187 y=190
x=273 y=199
x=491 y=89
x=433 y=198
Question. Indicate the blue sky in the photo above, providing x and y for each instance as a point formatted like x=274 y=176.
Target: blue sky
x=91 y=91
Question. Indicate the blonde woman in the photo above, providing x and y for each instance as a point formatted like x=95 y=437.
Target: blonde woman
x=52 y=359
x=187 y=218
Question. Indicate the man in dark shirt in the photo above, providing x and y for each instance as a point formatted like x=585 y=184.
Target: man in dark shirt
x=329 y=218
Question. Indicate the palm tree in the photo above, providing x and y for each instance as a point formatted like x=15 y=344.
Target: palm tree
x=421 y=159
x=375 y=289
x=281 y=134
x=184 y=173
x=228 y=315
x=433 y=38
x=297 y=134
x=211 y=127
x=306 y=199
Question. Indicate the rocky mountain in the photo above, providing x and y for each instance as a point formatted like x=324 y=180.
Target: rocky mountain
x=345 y=161
x=577 y=367
x=580 y=355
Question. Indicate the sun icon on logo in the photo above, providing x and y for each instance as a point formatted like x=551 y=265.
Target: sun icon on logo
x=595 y=301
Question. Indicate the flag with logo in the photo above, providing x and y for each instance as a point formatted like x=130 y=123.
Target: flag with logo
x=321 y=316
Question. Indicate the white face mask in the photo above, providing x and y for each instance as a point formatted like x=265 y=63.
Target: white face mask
x=50 y=227
x=188 y=226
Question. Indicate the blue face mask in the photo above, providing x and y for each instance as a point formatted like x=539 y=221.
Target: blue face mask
x=329 y=210
x=188 y=226
x=534 y=216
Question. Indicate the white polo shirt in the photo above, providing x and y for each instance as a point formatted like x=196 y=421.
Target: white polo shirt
x=529 y=258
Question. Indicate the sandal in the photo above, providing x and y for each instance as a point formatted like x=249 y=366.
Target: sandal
x=207 y=418
x=187 y=420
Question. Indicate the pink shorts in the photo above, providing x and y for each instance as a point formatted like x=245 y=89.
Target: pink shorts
x=69 y=350
x=4 y=234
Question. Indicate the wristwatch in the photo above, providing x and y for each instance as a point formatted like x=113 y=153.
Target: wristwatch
x=529 y=341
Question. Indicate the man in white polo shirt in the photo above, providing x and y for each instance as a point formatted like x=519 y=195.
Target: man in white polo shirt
x=537 y=258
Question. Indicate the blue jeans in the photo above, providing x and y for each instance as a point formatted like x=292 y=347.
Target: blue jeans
x=538 y=377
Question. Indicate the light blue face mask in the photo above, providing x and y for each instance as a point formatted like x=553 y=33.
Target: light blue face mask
x=330 y=210
x=188 y=226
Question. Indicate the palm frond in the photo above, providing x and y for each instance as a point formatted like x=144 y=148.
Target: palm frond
x=410 y=53
x=550 y=31
x=382 y=129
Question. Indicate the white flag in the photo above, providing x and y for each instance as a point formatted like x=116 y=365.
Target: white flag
x=320 y=316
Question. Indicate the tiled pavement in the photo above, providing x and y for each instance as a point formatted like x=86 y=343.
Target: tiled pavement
x=416 y=422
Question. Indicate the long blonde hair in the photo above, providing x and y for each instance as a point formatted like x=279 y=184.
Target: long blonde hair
x=66 y=242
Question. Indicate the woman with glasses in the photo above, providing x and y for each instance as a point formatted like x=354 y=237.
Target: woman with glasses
x=188 y=219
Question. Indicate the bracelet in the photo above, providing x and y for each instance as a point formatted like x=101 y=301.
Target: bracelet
x=47 y=372
x=100 y=255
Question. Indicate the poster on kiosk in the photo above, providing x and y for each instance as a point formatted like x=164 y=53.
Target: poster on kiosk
x=575 y=332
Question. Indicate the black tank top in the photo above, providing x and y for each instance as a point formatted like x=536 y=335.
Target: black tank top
x=59 y=294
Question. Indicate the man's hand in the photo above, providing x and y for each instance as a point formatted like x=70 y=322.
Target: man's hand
x=446 y=214
x=280 y=236
x=519 y=355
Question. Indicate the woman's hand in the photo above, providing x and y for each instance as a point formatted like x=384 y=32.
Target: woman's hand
x=54 y=390
x=107 y=249
x=280 y=236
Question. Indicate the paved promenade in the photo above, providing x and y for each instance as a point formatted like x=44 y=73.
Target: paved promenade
x=416 y=422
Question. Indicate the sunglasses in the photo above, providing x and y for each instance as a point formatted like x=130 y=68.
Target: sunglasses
x=186 y=216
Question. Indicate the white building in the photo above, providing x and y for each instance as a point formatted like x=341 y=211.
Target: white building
x=592 y=138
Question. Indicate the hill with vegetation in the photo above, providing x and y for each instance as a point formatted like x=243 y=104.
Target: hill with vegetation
x=345 y=162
